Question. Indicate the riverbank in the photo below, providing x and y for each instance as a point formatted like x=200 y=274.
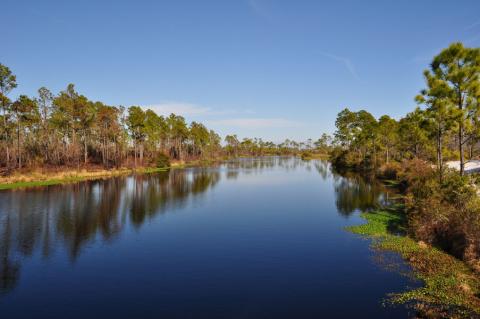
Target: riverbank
x=307 y=156
x=450 y=289
x=46 y=178
x=37 y=178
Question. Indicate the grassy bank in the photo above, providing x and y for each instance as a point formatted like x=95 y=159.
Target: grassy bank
x=38 y=178
x=32 y=179
x=306 y=156
x=450 y=288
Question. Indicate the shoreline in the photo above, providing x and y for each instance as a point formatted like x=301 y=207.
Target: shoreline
x=38 y=179
x=449 y=286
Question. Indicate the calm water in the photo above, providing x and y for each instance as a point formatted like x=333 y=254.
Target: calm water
x=254 y=238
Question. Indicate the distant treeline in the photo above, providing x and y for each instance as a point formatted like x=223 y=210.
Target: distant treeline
x=69 y=130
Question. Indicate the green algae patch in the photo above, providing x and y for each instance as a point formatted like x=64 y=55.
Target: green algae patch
x=451 y=289
x=32 y=184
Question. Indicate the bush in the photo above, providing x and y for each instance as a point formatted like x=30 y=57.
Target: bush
x=416 y=174
x=343 y=159
x=162 y=161
x=389 y=171
x=443 y=213
x=306 y=155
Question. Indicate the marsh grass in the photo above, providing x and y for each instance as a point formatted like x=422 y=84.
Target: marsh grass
x=38 y=178
x=450 y=287
x=35 y=179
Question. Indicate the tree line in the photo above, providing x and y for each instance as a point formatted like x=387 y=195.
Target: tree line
x=444 y=126
x=69 y=130
x=442 y=205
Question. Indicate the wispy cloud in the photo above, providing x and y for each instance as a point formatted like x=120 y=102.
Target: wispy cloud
x=347 y=63
x=472 y=40
x=257 y=123
x=258 y=8
x=254 y=5
x=473 y=25
x=179 y=108
x=192 y=109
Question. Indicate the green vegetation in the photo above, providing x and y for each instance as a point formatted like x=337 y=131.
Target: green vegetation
x=306 y=155
x=445 y=129
x=443 y=208
x=441 y=205
x=36 y=183
x=66 y=177
x=450 y=287
x=68 y=132
x=163 y=161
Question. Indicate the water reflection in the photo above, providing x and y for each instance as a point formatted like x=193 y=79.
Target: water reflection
x=69 y=217
x=355 y=192
x=323 y=168
x=73 y=215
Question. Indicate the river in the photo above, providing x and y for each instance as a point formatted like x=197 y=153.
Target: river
x=250 y=238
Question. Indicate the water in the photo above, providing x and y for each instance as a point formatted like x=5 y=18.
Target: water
x=253 y=238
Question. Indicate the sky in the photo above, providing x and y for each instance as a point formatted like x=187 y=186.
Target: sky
x=273 y=69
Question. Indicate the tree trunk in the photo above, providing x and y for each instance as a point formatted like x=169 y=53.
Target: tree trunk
x=135 y=153
x=460 y=149
x=85 y=150
x=19 y=156
x=460 y=136
x=6 y=135
x=439 y=154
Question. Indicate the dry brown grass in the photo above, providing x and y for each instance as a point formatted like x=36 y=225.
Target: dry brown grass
x=35 y=176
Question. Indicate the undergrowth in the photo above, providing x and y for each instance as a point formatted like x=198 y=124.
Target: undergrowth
x=450 y=287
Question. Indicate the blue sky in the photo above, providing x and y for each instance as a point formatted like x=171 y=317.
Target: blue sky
x=267 y=68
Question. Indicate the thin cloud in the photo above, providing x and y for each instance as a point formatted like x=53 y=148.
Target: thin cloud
x=179 y=108
x=254 y=6
x=473 y=25
x=472 y=40
x=258 y=8
x=347 y=63
x=425 y=57
x=191 y=109
x=257 y=123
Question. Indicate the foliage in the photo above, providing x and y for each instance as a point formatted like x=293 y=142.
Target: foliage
x=446 y=213
x=442 y=207
x=306 y=155
x=389 y=171
x=162 y=161
x=450 y=286
x=69 y=130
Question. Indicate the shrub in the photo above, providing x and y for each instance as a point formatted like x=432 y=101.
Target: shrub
x=389 y=171
x=306 y=155
x=342 y=159
x=443 y=213
x=162 y=161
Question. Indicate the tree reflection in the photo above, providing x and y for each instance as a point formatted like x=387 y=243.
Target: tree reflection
x=9 y=268
x=356 y=192
x=323 y=168
x=71 y=216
